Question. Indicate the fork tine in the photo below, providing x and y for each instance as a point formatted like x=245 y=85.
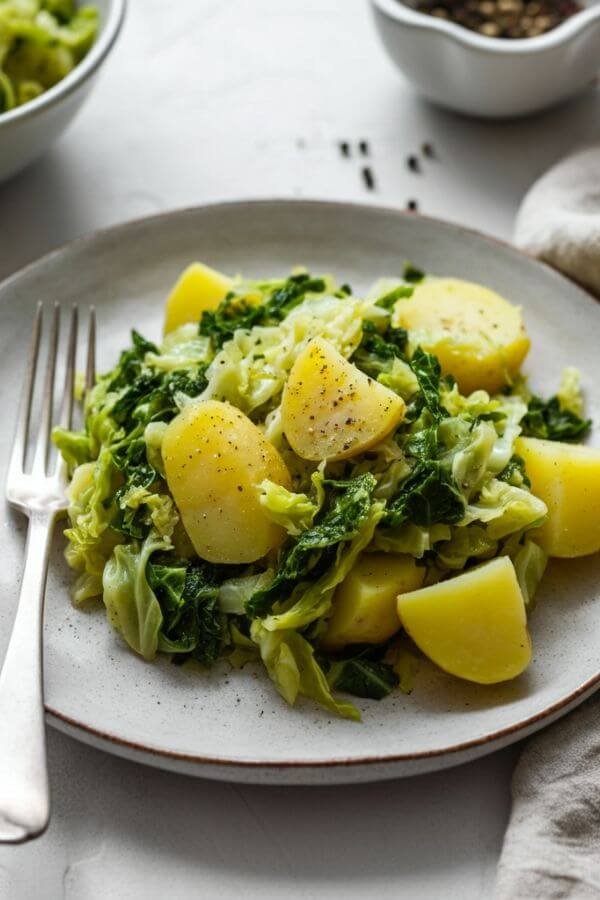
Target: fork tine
x=90 y=369
x=40 y=458
x=66 y=412
x=17 y=460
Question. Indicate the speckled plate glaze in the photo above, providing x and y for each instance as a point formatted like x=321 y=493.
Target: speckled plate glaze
x=233 y=725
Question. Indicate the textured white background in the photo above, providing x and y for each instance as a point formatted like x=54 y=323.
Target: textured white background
x=204 y=100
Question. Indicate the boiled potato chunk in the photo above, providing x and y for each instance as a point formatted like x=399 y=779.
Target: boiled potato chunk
x=330 y=410
x=476 y=334
x=198 y=288
x=215 y=458
x=567 y=478
x=474 y=625
x=364 y=604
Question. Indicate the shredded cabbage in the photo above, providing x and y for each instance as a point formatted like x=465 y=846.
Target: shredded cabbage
x=130 y=602
x=251 y=369
x=90 y=538
x=236 y=592
x=530 y=563
x=445 y=487
x=569 y=393
x=41 y=41
x=505 y=509
x=294 y=512
x=290 y=662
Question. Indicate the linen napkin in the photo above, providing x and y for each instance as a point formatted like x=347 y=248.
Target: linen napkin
x=559 y=219
x=552 y=844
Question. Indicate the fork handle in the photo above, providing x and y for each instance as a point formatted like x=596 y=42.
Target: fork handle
x=24 y=793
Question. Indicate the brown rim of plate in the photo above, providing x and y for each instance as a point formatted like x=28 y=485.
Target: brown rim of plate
x=536 y=720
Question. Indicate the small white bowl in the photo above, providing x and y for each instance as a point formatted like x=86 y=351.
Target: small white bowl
x=491 y=77
x=27 y=131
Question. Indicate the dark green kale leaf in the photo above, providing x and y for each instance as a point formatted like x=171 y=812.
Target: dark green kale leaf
x=167 y=580
x=412 y=274
x=283 y=300
x=188 y=596
x=495 y=416
x=428 y=372
x=347 y=506
x=376 y=352
x=515 y=472
x=131 y=361
x=428 y=496
x=236 y=312
x=232 y=313
x=546 y=420
x=201 y=593
x=133 y=394
x=423 y=444
x=138 y=395
x=190 y=382
x=129 y=457
x=362 y=676
x=151 y=396
x=389 y=300
x=160 y=404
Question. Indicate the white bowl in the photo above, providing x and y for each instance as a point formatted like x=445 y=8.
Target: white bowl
x=491 y=77
x=27 y=131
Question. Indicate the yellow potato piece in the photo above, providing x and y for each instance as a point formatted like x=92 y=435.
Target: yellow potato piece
x=364 y=604
x=474 y=625
x=198 y=288
x=215 y=458
x=567 y=478
x=476 y=334
x=331 y=410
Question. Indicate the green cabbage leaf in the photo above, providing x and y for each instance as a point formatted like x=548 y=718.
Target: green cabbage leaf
x=130 y=602
x=505 y=509
x=290 y=662
x=41 y=41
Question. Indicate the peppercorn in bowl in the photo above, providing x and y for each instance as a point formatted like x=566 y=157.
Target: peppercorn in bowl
x=492 y=58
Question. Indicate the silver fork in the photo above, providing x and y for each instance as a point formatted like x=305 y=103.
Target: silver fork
x=40 y=494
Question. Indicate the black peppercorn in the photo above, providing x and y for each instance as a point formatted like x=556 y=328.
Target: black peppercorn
x=503 y=18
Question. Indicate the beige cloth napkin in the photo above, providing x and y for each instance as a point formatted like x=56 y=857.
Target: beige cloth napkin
x=559 y=220
x=552 y=844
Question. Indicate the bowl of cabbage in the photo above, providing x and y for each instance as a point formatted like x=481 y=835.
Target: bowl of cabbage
x=50 y=55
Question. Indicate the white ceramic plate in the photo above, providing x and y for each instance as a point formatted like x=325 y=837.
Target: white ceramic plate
x=233 y=725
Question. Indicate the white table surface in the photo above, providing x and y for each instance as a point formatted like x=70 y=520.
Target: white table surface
x=249 y=98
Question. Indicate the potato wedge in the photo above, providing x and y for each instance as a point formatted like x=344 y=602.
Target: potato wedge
x=476 y=334
x=365 y=603
x=331 y=410
x=198 y=288
x=474 y=625
x=215 y=458
x=567 y=478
